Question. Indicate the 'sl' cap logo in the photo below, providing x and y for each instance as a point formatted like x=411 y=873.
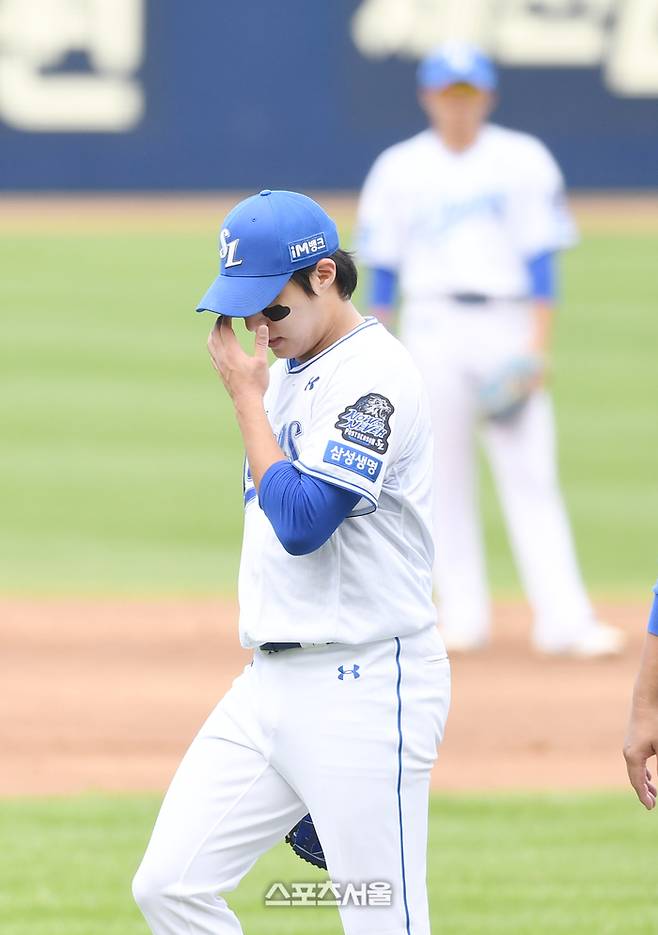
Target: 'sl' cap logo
x=227 y=249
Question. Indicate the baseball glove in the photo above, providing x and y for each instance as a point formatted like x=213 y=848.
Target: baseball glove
x=504 y=396
x=303 y=839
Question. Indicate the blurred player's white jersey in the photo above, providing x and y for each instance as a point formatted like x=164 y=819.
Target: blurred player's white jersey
x=462 y=231
x=354 y=416
x=451 y=223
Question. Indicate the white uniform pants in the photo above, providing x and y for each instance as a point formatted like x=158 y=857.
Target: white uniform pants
x=458 y=347
x=292 y=736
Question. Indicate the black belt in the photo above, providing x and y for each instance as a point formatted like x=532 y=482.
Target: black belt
x=278 y=647
x=479 y=298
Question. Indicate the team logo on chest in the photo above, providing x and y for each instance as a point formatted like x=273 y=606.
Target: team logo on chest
x=366 y=422
x=287 y=438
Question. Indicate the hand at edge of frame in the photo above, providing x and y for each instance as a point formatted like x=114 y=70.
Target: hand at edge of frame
x=640 y=745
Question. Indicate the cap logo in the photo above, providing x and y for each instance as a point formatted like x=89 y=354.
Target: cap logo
x=227 y=249
x=301 y=249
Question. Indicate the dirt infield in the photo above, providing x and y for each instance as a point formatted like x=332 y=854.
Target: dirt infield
x=596 y=212
x=107 y=695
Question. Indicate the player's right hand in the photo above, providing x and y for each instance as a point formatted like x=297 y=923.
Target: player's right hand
x=242 y=374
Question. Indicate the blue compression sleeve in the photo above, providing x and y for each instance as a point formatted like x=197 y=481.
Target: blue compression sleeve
x=382 y=287
x=542 y=272
x=304 y=512
x=653 y=617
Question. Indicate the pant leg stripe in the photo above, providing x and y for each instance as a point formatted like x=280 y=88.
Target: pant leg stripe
x=404 y=876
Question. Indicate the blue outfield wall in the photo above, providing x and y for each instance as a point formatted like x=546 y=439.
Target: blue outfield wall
x=161 y=94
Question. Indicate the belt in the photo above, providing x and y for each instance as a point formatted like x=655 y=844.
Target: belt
x=479 y=298
x=278 y=647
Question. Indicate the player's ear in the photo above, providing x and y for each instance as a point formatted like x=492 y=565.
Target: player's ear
x=323 y=275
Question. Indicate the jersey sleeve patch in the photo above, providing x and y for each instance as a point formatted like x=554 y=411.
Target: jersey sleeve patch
x=366 y=422
x=352 y=460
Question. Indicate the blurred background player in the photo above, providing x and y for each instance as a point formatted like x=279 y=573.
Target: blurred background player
x=467 y=217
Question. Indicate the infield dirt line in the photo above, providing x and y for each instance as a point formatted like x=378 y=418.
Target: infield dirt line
x=200 y=212
x=106 y=695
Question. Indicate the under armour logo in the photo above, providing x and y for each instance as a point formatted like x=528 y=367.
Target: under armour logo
x=311 y=383
x=227 y=249
x=342 y=672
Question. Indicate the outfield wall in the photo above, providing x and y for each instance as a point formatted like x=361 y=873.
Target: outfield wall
x=157 y=95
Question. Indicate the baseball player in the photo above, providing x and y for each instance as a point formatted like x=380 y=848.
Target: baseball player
x=642 y=734
x=341 y=710
x=466 y=218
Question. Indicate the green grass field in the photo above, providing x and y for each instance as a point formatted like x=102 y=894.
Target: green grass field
x=542 y=865
x=120 y=462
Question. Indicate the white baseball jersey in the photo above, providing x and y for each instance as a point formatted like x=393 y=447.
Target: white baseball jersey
x=463 y=222
x=354 y=416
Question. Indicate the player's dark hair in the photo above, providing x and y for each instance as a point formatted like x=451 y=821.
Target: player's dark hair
x=346 y=275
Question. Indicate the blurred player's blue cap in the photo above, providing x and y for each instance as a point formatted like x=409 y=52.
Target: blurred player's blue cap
x=456 y=63
x=262 y=242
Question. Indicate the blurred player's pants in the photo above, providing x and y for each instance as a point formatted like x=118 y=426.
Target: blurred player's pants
x=458 y=347
x=348 y=733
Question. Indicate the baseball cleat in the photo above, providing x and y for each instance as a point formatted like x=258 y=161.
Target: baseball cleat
x=599 y=640
x=464 y=642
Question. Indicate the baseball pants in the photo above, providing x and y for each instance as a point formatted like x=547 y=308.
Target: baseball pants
x=458 y=347
x=347 y=733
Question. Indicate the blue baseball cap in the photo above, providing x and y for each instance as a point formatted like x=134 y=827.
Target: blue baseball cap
x=456 y=63
x=263 y=240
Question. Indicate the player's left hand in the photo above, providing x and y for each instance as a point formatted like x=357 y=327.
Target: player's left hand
x=242 y=374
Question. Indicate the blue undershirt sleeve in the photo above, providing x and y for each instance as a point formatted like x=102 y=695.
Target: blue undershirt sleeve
x=543 y=275
x=653 y=616
x=382 y=287
x=304 y=512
